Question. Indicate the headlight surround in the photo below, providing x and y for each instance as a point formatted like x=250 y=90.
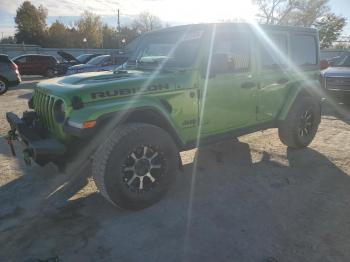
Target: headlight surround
x=77 y=102
x=59 y=111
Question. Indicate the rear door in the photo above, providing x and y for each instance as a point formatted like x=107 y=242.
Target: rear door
x=274 y=74
x=35 y=65
x=42 y=63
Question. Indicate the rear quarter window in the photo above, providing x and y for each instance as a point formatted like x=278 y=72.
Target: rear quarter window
x=274 y=51
x=304 y=50
x=22 y=59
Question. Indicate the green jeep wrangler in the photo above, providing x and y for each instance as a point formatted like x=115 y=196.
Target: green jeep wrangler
x=182 y=87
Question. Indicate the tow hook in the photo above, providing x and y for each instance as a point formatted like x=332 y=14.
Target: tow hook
x=27 y=157
x=11 y=135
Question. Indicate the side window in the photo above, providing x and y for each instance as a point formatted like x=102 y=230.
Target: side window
x=274 y=54
x=32 y=59
x=22 y=59
x=233 y=51
x=39 y=59
x=304 y=50
x=107 y=61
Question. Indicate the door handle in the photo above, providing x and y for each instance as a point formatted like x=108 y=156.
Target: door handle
x=247 y=85
x=282 y=80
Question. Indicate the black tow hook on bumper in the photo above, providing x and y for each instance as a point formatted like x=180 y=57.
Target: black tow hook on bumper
x=36 y=146
x=11 y=135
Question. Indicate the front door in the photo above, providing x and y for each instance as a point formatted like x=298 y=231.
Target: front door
x=229 y=90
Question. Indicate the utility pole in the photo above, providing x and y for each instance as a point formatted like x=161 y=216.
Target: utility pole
x=119 y=36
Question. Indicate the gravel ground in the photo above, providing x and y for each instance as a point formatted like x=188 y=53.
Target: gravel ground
x=246 y=200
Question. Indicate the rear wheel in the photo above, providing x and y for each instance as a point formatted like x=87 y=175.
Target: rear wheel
x=136 y=166
x=3 y=86
x=300 y=127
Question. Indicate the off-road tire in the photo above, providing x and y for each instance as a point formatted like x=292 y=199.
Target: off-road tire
x=108 y=168
x=3 y=86
x=289 y=130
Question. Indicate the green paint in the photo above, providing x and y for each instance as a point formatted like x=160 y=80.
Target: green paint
x=227 y=106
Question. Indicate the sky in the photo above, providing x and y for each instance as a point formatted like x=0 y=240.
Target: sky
x=173 y=12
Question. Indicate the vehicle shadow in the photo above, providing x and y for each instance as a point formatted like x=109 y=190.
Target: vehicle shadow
x=232 y=203
x=28 y=82
x=340 y=111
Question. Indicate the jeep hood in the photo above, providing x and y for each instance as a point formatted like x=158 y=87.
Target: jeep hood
x=96 y=86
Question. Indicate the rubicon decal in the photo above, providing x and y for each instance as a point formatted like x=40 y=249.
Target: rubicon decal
x=129 y=91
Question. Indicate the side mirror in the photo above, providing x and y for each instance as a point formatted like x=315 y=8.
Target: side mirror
x=324 y=64
x=219 y=64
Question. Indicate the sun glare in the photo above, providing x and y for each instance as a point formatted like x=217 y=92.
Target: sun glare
x=203 y=11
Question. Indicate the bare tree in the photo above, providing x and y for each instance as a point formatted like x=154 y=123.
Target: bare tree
x=291 y=12
x=307 y=13
x=146 y=22
x=275 y=11
x=330 y=27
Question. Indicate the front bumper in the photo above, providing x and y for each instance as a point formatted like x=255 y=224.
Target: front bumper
x=337 y=88
x=37 y=145
x=339 y=96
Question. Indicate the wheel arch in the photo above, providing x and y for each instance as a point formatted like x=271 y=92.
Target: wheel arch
x=301 y=90
x=148 y=115
x=4 y=79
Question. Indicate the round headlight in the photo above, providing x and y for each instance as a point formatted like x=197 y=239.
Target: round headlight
x=58 y=110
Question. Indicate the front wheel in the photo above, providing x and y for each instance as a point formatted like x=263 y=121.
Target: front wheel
x=135 y=167
x=300 y=127
x=3 y=86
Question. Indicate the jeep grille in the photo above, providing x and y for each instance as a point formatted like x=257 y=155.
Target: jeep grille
x=43 y=106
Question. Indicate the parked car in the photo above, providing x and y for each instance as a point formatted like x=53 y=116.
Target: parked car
x=69 y=60
x=99 y=63
x=9 y=75
x=332 y=55
x=183 y=87
x=35 y=64
x=336 y=80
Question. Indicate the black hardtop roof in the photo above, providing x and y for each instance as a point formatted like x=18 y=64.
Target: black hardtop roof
x=241 y=25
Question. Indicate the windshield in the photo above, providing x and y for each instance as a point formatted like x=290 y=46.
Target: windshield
x=343 y=61
x=97 y=60
x=84 y=58
x=168 y=48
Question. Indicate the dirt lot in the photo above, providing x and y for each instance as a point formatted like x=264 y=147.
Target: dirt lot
x=246 y=200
